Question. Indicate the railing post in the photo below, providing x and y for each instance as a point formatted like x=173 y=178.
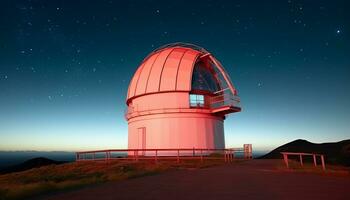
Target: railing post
x=301 y=159
x=201 y=155
x=225 y=155
x=193 y=151
x=229 y=155
x=323 y=164
x=76 y=156
x=155 y=157
x=178 y=156
x=315 y=162
x=285 y=158
x=137 y=155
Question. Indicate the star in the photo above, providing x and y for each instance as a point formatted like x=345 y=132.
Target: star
x=338 y=31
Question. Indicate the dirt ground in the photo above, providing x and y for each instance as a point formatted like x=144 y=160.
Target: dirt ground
x=255 y=179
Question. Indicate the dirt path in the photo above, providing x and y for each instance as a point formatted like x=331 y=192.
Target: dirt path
x=254 y=179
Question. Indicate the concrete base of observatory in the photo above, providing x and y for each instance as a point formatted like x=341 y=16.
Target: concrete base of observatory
x=174 y=131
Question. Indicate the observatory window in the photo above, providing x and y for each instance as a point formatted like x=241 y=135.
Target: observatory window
x=203 y=78
x=196 y=100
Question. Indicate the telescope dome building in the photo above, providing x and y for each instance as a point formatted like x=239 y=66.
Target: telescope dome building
x=178 y=98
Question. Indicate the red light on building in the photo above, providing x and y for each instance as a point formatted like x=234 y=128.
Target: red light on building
x=178 y=98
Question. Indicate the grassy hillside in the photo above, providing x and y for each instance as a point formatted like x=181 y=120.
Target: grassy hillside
x=50 y=178
x=337 y=153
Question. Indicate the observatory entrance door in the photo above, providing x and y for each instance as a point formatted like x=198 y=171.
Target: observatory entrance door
x=141 y=134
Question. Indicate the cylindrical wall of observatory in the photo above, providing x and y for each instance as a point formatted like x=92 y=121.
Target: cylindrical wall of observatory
x=175 y=130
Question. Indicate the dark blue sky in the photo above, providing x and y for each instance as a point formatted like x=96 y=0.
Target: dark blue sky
x=65 y=67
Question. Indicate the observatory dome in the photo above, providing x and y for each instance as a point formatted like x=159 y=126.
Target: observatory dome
x=178 y=98
x=171 y=68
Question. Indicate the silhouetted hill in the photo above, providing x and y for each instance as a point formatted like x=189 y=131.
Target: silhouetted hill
x=335 y=153
x=29 y=164
x=10 y=158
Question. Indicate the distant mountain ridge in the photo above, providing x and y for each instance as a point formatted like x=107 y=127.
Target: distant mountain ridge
x=335 y=152
x=10 y=158
x=31 y=163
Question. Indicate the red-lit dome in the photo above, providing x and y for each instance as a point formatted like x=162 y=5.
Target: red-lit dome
x=169 y=68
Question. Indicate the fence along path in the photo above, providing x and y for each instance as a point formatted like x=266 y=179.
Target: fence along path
x=228 y=155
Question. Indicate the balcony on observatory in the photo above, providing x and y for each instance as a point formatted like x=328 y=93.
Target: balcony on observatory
x=211 y=91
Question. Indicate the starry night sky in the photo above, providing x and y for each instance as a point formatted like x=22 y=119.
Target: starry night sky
x=65 y=67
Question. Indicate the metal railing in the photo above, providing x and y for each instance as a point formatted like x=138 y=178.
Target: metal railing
x=314 y=156
x=131 y=112
x=210 y=103
x=226 y=99
x=228 y=155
